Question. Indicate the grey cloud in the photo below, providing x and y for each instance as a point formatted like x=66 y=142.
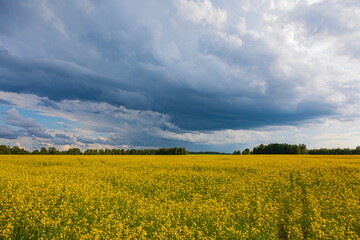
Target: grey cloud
x=48 y=103
x=8 y=133
x=328 y=17
x=89 y=140
x=60 y=80
x=333 y=20
x=6 y=102
x=30 y=126
x=63 y=139
x=13 y=118
x=64 y=136
x=117 y=53
x=38 y=132
x=185 y=106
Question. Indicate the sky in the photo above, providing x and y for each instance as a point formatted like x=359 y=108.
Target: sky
x=207 y=75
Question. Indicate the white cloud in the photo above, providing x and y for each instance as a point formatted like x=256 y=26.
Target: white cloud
x=95 y=124
x=13 y=118
x=233 y=40
x=201 y=11
x=30 y=126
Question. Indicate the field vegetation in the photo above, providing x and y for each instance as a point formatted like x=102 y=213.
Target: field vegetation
x=179 y=197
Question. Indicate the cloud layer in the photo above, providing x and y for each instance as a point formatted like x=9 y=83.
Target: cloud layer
x=181 y=68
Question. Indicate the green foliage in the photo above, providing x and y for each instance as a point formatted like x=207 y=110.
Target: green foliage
x=335 y=151
x=280 y=148
x=43 y=151
x=14 y=150
x=246 y=151
x=171 y=151
x=273 y=148
x=74 y=151
x=237 y=152
x=36 y=152
x=53 y=151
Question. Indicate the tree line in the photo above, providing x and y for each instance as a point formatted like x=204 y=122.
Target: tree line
x=284 y=148
x=77 y=151
x=335 y=151
x=273 y=148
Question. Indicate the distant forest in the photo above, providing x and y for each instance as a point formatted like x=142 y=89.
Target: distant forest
x=284 y=148
x=76 y=151
x=273 y=148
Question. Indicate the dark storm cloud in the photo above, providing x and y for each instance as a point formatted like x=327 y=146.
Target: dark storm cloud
x=188 y=108
x=165 y=57
x=48 y=103
x=60 y=80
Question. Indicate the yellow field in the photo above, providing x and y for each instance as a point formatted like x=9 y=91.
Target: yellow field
x=179 y=197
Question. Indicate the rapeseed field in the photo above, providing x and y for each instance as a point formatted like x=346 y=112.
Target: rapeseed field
x=180 y=197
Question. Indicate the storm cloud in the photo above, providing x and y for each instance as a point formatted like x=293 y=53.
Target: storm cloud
x=201 y=65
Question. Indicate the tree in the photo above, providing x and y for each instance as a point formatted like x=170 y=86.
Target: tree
x=237 y=152
x=36 y=152
x=43 y=151
x=246 y=151
x=280 y=148
x=303 y=149
x=5 y=149
x=18 y=150
x=101 y=152
x=53 y=151
x=357 y=150
x=74 y=151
